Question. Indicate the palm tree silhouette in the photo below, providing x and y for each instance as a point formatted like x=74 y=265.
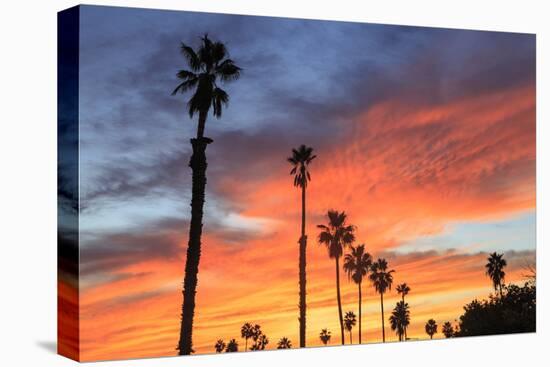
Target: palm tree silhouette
x=247 y=332
x=400 y=319
x=431 y=328
x=495 y=270
x=349 y=322
x=403 y=289
x=324 y=335
x=260 y=342
x=382 y=280
x=335 y=236
x=284 y=343
x=220 y=346
x=447 y=330
x=300 y=160
x=357 y=264
x=232 y=346
x=207 y=65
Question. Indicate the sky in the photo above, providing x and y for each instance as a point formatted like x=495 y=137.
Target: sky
x=425 y=137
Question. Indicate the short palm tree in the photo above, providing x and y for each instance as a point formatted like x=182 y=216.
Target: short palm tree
x=219 y=346
x=400 y=319
x=232 y=346
x=357 y=264
x=495 y=270
x=260 y=342
x=324 y=335
x=431 y=328
x=382 y=279
x=448 y=330
x=349 y=322
x=301 y=158
x=403 y=289
x=336 y=236
x=284 y=343
x=208 y=65
x=247 y=332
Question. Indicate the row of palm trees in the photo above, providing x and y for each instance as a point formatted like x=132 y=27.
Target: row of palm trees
x=399 y=318
x=248 y=331
x=338 y=234
x=207 y=67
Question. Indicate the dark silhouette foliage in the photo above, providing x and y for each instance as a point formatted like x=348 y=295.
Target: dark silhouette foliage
x=513 y=312
x=247 y=332
x=232 y=346
x=219 y=346
x=403 y=289
x=325 y=336
x=284 y=343
x=495 y=270
x=349 y=322
x=400 y=319
x=448 y=330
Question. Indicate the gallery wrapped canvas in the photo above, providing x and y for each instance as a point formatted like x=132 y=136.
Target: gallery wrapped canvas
x=232 y=183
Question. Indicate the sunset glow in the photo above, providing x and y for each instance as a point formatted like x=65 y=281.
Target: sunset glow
x=425 y=138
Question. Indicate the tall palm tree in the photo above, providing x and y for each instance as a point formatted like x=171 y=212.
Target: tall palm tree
x=400 y=319
x=284 y=343
x=208 y=65
x=357 y=264
x=324 y=335
x=335 y=236
x=232 y=346
x=349 y=322
x=448 y=330
x=403 y=289
x=382 y=280
x=219 y=346
x=431 y=328
x=495 y=270
x=300 y=160
x=247 y=332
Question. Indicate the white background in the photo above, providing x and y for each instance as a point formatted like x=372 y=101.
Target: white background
x=28 y=181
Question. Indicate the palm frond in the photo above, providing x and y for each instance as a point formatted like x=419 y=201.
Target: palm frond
x=185 y=86
x=191 y=57
x=218 y=51
x=219 y=98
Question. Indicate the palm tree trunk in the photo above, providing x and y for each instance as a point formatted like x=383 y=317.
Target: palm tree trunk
x=198 y=165
x=350 y=338
x=405 y=328
x=382 y=308
x=245 y=344
x=359 y=286
x=202 y=123
x=339 y=301
x=302 y=264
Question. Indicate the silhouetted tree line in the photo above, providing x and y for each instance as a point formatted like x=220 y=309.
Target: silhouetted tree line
x=512 y=312
x=511 y=309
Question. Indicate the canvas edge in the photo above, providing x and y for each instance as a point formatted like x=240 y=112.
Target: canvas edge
x=68 y=320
